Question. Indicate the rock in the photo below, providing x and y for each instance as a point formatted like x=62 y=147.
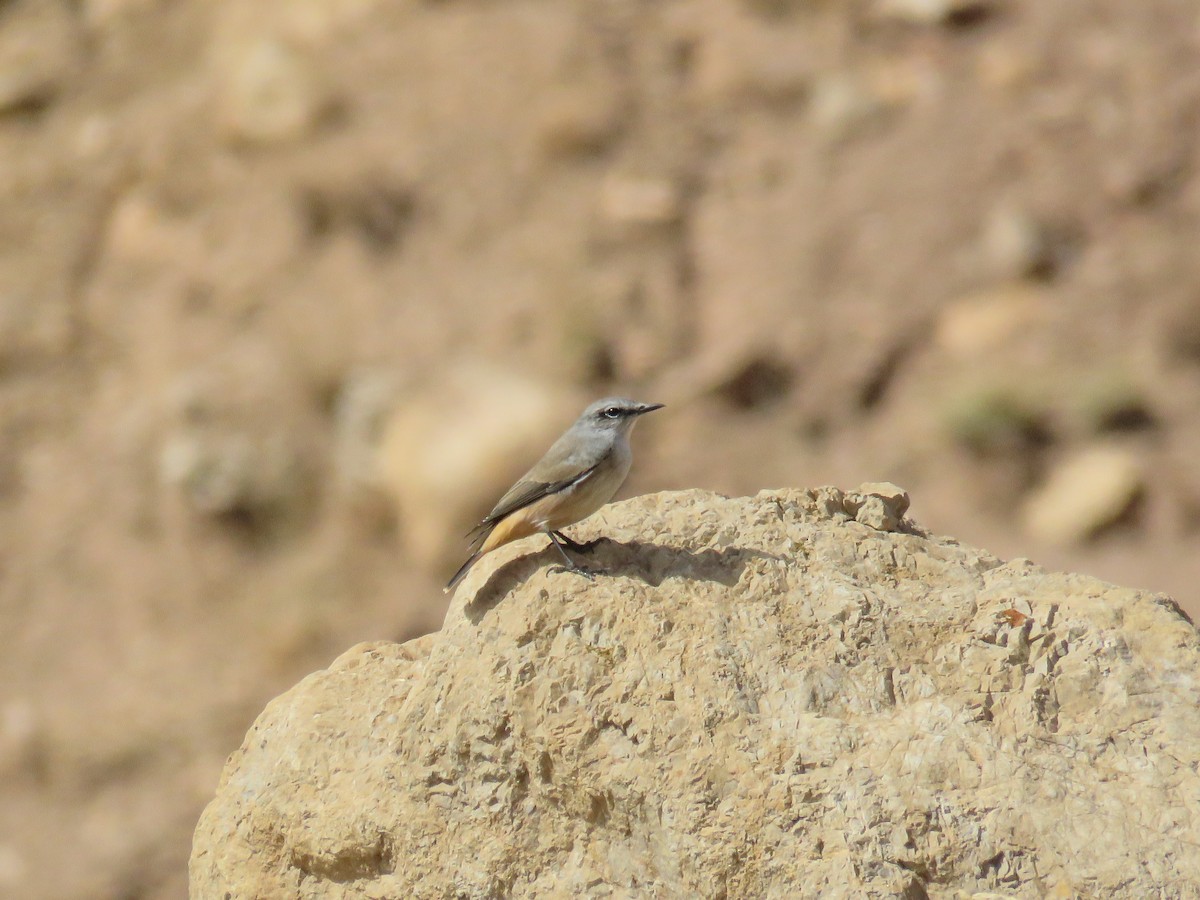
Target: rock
x=987 y=319
x=579 y=119
x=627 y=200
x=141 y=233
x=1084 y=494
x=842 y=103
x=361 y=411
x=1014 y=244
x=761 y=698
x=228 y=473
x=932 y=12
x=879 y=505
x=268 y=92
x=453 y=444
x=224 y=454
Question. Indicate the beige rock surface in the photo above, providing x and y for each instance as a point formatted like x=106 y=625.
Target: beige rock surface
x=1083 y=494
x=761 y=698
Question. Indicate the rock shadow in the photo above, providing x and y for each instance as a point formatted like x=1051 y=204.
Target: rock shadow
x=606 y=558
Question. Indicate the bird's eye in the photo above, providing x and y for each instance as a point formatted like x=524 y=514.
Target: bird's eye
x=613 y=412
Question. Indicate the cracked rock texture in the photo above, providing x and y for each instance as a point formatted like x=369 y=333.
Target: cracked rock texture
x=761 y=698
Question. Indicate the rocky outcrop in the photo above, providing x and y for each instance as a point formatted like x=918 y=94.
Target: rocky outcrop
x=762 y=697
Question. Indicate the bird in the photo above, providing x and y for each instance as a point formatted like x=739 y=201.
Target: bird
x=580 y=473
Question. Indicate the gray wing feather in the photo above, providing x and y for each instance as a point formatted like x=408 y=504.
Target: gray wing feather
x=560 y=468
x=522 y=494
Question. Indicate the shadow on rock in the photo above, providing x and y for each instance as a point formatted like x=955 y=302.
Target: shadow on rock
x=604 y=558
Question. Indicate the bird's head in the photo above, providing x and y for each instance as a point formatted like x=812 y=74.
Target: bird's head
x=616 y=414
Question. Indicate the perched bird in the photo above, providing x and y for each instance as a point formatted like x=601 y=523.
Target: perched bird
x=578 y=475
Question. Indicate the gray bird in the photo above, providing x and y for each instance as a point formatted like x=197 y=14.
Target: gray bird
x=579 y=474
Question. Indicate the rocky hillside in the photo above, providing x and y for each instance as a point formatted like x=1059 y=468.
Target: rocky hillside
x=794 y=693
x=291 y=290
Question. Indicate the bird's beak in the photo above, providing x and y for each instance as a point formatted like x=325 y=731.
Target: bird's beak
x=649 y=407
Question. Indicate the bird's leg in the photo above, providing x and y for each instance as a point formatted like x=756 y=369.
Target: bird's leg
x=574 y=546
x=571 y=564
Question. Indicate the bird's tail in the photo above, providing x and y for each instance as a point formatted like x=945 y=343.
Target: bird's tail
x=462 y=572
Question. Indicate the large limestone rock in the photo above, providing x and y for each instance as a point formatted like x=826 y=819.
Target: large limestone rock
x=762 y=698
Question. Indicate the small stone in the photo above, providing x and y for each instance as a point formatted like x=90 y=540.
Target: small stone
x=930 y=12
x=216 y=472
x=842 y=103
x=1014 y=244
x=268 y=93
x=640 y=201
x=140 y=232
x=985 y=320
x=361 y=411
x=578 y=120
x=878 y=505
x=893 y=495
x=1083 y=495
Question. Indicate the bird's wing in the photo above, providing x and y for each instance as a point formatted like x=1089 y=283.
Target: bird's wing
x=552 y=478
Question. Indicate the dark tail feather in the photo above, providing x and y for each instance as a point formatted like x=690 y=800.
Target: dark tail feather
x=462 y=572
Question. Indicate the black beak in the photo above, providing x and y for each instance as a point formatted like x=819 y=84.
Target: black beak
x=648 y=407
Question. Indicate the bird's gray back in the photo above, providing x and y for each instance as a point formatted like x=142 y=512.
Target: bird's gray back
x=581 y=447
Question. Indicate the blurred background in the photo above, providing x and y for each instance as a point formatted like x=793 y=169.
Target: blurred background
x=290 y=290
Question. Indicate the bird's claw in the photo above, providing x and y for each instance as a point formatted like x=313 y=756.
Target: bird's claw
x=577 y=570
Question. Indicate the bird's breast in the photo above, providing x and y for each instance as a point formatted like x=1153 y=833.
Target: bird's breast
x=581 y=500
